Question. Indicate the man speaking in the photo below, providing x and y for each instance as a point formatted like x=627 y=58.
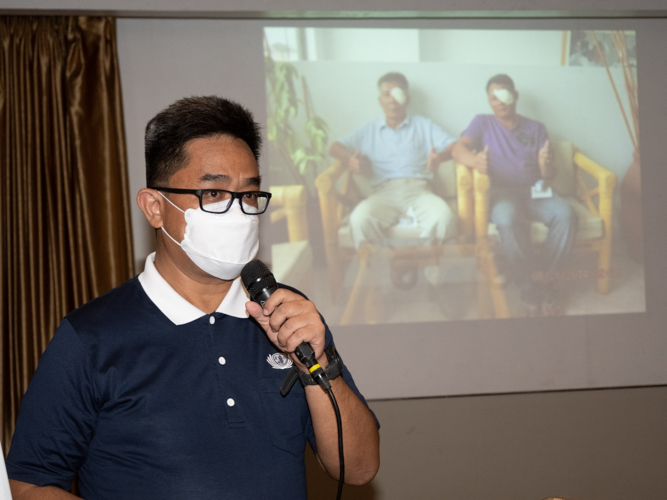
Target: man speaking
x=169 y=385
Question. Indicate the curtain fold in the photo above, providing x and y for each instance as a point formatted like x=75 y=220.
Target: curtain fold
x=64 y=197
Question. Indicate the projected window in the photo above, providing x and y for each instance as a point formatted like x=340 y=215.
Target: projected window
x=439 y=175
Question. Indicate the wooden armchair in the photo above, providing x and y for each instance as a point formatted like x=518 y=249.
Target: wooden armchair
x=588 y=187
x=339 y=192
x=292 y=261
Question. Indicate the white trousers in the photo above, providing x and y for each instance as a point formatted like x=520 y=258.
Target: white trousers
x=391 y=200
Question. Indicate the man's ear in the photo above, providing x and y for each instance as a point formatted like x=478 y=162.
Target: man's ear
x=150 y=203
x=516 y=95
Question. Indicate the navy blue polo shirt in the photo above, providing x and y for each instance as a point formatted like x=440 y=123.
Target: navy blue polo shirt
x=142 y=407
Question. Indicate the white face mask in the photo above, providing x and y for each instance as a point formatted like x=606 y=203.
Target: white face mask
x=220 y=244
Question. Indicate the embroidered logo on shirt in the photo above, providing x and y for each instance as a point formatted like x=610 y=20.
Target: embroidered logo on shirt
x=278 y=361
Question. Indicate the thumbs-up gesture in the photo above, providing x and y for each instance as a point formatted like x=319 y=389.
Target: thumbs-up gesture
x=433 y=160
x=481 y=161
x=545 y=159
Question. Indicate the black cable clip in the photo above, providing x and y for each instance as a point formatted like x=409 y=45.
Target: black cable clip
x=332 y=371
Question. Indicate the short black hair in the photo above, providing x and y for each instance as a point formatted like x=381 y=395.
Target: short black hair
x=500 y=79
x=190 y=118
x=394 y=77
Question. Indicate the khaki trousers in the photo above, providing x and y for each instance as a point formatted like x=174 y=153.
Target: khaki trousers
x=392 y=200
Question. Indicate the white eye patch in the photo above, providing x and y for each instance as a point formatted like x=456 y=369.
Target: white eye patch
x=399 y=94
x=504 y=95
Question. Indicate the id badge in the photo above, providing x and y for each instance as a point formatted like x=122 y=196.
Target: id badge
x=540 y=190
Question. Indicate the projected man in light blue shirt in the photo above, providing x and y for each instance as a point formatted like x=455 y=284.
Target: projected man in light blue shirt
x=399 y=152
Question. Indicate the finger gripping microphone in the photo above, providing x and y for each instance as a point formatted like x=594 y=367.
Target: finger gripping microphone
x=260 y=283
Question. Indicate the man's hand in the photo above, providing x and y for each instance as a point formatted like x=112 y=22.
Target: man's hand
x=480 y=162
x=545 y=159
x=357 y=162
x=288 y=319
x=295 y=321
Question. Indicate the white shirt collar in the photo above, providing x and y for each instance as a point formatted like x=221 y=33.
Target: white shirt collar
x=382 y=122
x=179 y=310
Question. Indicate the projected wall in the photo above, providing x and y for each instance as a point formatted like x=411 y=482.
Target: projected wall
x=376 y=221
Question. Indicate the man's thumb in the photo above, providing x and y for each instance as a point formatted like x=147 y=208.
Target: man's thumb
x=254 y=309
x=486 y=149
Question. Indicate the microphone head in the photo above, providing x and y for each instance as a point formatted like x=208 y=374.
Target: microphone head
x=258 y=280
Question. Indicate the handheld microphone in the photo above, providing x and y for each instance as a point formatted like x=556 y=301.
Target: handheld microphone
x=260 y=283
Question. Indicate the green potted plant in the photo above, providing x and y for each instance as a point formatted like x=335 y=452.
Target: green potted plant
x=301 y=158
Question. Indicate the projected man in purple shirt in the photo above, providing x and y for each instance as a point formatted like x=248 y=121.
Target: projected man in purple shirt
x=515 y=152
x=399 y=152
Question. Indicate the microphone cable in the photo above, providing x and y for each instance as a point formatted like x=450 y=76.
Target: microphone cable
x=306 y=355
x=341 y=457
x=260 y=284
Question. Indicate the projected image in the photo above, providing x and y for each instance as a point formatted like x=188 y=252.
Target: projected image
x=439 y=175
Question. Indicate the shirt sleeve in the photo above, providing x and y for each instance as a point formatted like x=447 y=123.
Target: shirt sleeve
x=542 y=136
x=355 y=140
x=57 y=417
x=439 y=138
x=475 y=131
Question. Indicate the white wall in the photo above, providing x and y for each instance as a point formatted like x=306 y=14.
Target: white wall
x=530 y=48
x=359 y=45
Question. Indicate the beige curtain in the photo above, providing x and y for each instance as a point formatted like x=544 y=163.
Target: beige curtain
x=64 y=203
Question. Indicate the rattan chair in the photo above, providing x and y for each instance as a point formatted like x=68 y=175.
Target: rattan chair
x=340 y=191
x=588 y=187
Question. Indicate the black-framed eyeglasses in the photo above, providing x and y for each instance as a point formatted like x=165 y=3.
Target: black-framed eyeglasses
x=218 y=201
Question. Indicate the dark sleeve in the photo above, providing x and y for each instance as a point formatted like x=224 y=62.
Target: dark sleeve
x=347 y=376
x=57 y=417
x=475 y=131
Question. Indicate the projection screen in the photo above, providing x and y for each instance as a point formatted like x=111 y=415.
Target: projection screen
x=418 y=313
